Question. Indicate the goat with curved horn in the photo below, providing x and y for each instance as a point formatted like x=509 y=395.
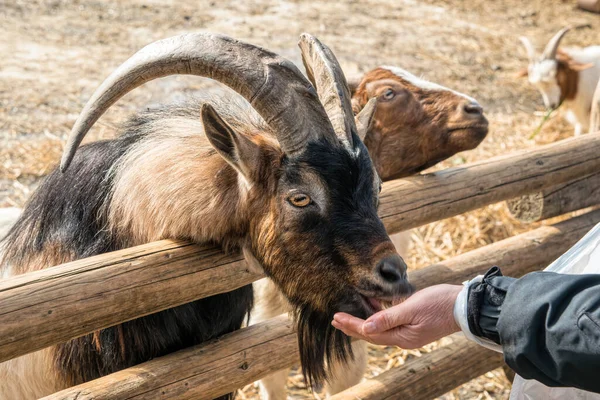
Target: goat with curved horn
x=564 y=76
x=407 y=124
x=296 y=116
x=275 y=180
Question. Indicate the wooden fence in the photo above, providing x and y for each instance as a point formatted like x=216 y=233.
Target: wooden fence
x=53 y=305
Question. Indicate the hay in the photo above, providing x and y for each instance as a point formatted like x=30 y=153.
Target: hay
x=56 y=52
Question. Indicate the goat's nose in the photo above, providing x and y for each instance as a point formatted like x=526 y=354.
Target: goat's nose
x=392 y=269
x=473 y=108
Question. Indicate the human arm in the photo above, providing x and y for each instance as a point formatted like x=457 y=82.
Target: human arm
x=547 y=324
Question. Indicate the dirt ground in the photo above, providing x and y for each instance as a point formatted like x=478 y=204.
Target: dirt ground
x=53 y=54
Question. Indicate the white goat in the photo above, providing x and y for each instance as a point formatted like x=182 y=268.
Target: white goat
x=565 y=76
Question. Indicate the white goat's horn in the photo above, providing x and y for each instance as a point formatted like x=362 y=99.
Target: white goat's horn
x=529 y=47
x=273 y=86
x=550 y=49
x=552 y=46
x=327 y=77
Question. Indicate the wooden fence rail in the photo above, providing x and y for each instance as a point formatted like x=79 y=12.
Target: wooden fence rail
x=205 y=371
x=430 y=375
x=56 y=304
x=242 y=356
x=557 y=200
x=51 y=306
x=516 y=256
x=419 y=200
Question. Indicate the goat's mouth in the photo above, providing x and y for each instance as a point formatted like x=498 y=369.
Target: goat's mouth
x=479 y=128
x=373 y=303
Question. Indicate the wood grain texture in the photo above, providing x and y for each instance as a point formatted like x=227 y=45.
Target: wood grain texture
x=557 y=200
x=201 y=372
x=415 y=201
x=516 y=256
x=430 y=375
x=277 y=349
x=60 y=303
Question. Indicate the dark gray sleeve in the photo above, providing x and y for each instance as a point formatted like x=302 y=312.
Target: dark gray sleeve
x=548 y=325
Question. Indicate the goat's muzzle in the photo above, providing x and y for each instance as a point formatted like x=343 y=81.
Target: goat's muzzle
x=391 y=270
x=469 y=120
x=469 y=113
x=387 y=284
x=472 y=109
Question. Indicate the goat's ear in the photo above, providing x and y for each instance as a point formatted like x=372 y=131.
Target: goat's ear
x=523 y=72
x=580 y=67
x=365 y=117
x=237 y=149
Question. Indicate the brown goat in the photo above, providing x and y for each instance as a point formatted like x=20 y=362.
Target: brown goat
x=416 y=123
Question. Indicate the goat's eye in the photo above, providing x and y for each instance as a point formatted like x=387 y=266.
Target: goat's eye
x=388 y=94
x=299 y=200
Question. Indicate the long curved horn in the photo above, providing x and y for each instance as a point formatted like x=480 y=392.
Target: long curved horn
x=273 y=86
x=550 y=49
x=529 y=47
x=325 y=73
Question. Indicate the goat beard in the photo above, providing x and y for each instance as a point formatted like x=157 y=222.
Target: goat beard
x=320 y=345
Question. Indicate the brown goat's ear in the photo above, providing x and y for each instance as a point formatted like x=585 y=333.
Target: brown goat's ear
x=522 y=73
x=364 y=118
x=237 y=149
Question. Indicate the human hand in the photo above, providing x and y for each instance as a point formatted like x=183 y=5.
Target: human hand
x=426 y=316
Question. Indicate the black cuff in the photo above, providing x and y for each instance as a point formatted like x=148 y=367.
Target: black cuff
x=484 y=303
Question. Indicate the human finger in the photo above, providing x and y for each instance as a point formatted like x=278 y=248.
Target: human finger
x=347 y=331
x=349 y=322
x=387 y=319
